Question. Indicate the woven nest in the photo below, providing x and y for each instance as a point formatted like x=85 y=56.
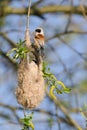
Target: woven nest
x=30 y=90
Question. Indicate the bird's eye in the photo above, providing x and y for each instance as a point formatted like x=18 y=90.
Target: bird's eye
x=38 y=30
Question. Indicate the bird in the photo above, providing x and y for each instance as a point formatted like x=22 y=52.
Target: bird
x=38 y=44
x=39 y=40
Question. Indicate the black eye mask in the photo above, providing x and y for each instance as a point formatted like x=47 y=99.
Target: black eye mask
x=38 y=30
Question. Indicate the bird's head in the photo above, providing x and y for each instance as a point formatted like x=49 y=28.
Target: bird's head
x=39 y=31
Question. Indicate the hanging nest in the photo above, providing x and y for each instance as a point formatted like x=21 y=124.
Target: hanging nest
x=30 y=90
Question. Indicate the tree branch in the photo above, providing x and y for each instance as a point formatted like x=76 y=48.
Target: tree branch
x=77 y=32
x=3 y=34
x=67 y=115
x=45 y=9
x=8 y=58
x=14 y=109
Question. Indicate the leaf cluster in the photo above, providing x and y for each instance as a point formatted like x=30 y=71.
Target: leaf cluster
x=27 y=122
x=20 y=51
x=53 y=82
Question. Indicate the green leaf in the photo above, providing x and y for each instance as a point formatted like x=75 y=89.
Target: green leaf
x=27 y=122
x=67 y=90
x=21 y=50
x=12 y=50
x=52 y=81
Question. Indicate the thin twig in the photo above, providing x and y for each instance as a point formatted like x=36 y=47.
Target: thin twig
x=61 y=61
x=67 y=115
x=12 y=43
x=69 y=18
x=59 y=126
x=28 y=20
x=80 y=54
x=8 y=58
x=27 y=35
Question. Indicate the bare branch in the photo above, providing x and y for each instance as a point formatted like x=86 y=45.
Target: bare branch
x=3 y=34
x=67 y=33
x=64 y=110
x=43 y=10
x=8 y=58
x=79 y=54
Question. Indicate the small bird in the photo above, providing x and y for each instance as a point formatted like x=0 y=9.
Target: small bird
x=39 y=44
x=39 y=40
